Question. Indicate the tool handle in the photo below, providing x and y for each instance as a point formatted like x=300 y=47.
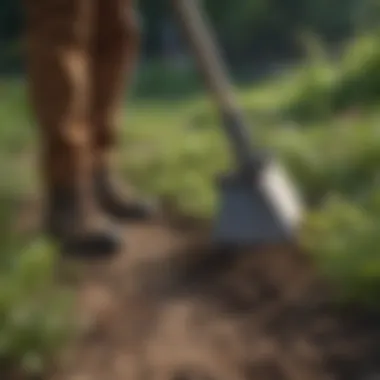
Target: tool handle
x=210 y=64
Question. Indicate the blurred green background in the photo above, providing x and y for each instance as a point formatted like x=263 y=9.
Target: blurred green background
x=257 y=36
x=308 y=76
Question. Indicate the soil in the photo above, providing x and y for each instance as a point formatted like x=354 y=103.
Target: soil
x=171 y=306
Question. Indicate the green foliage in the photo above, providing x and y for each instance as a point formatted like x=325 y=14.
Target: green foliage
x=176 y=159
x=342 y=157
x=255 y=29
x=337 y=167
x=34 y=313
x=157 y=79
x=35 y=319
x=15 y=132
x=345 y=239
x=325 y=88
x=359 y=78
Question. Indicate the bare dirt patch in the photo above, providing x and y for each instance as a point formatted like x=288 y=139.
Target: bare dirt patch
x=172 y=307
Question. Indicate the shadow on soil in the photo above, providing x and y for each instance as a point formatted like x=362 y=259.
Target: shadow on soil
x=283 y=314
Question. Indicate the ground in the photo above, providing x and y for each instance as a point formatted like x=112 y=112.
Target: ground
x=172 y=307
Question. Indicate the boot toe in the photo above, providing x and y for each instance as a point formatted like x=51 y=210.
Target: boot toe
x=139 y=210
x=96 y=244
x=133 y=210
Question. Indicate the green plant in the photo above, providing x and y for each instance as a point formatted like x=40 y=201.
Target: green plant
x=34 y=313
x=344 y=237
x=325 y=89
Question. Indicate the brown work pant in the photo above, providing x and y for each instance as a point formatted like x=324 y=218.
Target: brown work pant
x=80 y=54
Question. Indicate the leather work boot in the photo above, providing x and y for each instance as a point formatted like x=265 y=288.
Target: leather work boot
x=114 y=55
x=115 y=204
x=76 y=233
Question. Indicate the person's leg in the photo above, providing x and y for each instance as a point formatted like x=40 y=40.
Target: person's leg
x=58 y=36
x=114 y=56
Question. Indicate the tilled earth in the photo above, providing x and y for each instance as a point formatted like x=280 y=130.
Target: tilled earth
x=172 y=307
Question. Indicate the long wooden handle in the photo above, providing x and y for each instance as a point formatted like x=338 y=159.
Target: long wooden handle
x=210 y=64
x=203 y=44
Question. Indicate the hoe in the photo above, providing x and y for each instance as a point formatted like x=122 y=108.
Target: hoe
x=258 y=202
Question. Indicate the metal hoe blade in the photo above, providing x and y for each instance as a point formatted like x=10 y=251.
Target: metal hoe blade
x=266 y=210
